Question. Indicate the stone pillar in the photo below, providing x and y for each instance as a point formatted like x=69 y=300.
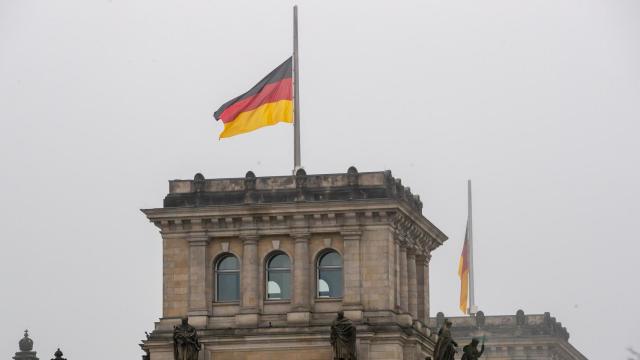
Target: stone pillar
x=404 y=283
x=198 y=276
x=396 y=267
x=249 y=275
x=352 y=297
x=413 y=283
x=425 y=292
x=301 y=293
x=422 y=273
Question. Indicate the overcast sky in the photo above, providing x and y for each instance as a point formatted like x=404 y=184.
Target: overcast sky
x=538 y=102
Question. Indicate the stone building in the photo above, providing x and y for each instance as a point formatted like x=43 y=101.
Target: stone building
x=261 y=265
x=26 y=348
x=26 y=351
x=513 y=337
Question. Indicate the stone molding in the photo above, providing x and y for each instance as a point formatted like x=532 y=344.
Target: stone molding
x=406 y=230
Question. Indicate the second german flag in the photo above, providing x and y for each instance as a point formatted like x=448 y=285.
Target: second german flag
x=267 y=103
x=463 y=273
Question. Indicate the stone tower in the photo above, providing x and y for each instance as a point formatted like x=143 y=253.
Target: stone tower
x=26 y=348
x=261 y=265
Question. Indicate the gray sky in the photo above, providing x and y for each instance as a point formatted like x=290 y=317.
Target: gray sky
x=102 y=102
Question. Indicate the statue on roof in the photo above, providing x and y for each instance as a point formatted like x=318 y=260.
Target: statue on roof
x=470 y=352
x=445 y=348
x=185 y=342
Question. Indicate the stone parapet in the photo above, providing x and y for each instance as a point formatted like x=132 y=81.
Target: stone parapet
x=534 y=336
x=282 y=189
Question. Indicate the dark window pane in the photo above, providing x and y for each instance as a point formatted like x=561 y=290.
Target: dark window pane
x=279 y=285
x=228 y=263
x=228 y=286
x=330 y=283
x=280 y=261
x=331 y=259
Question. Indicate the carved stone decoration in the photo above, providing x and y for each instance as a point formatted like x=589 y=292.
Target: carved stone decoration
x=343 y=338
x=198 y=183
x=186 y=345
x=249 y=186
x=275 y=244
x=399 y=189
x=352 y=176
x=301 y=182
x=440 y=319
x=353 y=182
x=58 y=355
x=520 y=318
x=225 y=246
x=26 y=344
x=480 y=319
x=548 y=320
x=418 y=202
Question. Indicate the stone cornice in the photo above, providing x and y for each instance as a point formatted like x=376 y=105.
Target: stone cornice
x=281 y=218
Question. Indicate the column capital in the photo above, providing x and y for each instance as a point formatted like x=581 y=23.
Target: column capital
x=423 y=258
x=351 y=233
x=249 y=239
x=302 y=236
x=199 y=239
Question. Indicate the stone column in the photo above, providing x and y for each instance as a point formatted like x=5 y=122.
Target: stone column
x=413 y=283
x=198 y=276
x=420 y=265
x=404 y=279
x=425 y=292
x=301 y=293
x=396 y=267
x=249 y=275
x=352 y=298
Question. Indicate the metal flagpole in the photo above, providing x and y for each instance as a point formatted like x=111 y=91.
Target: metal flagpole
x=296 y=95
x=472 y=300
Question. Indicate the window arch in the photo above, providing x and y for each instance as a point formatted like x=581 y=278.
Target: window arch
x=227 y=279
x=279 y=277
x=329 y=270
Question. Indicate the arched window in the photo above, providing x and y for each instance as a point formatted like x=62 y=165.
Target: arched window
x=330 y=275
x=228 y=279
x=279 y=277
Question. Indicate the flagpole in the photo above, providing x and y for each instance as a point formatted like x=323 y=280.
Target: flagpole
x=296 y=95
x=472 y=300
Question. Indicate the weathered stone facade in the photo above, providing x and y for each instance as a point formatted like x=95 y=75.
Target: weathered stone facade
x=513 y=337
x=370 y=220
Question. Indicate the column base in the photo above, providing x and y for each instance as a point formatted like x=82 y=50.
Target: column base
x=299 y=318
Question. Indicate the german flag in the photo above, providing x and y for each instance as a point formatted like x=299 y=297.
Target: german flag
x=267 y=103
x=463 y=273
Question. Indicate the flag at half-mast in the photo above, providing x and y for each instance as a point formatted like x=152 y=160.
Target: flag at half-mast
x=463 y=273
x=269 y=102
